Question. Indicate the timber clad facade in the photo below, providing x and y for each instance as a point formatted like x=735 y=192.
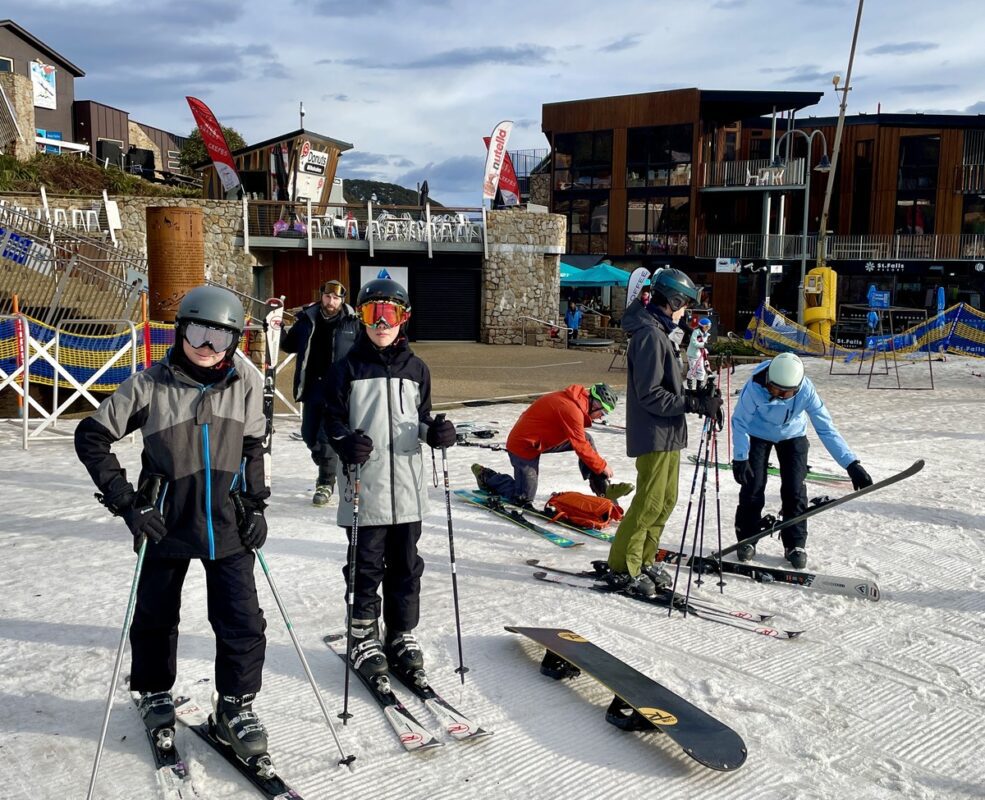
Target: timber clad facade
x=688 y=178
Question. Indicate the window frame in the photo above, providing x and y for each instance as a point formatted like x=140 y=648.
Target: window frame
x=10 y=61
x=660 y=167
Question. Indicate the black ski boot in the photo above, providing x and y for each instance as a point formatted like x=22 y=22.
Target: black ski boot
x=662 y=581
x=746 y=552
x=553 y=666
x=404 y=655
x=237 y=725
x=157 y=711
x=367 y=656
x=797 y=556
x=324 y=488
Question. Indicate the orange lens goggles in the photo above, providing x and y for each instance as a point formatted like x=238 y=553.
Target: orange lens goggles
x=389 y=315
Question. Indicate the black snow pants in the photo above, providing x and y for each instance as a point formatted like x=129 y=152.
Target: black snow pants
x=234 y=612
x=792 y=455
x=387 y=554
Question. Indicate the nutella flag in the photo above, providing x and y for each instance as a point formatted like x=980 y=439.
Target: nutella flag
x=495 y=158
x=509 y=187
x=215 y=143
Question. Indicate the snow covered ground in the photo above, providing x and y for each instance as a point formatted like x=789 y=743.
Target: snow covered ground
x=875 y=700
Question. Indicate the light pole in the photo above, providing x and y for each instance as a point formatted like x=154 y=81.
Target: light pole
x=823 y=166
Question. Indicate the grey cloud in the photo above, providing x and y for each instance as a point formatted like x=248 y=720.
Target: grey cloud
x=922 y=88
x=332 y=8
x=726 y=5
x=522 y=55
x=454 y=176
x=977 y=108
x=625 y=43
x=901 y=48
x=526 y=122
x=809 y=75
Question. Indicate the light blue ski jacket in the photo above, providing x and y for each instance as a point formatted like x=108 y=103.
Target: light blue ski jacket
x=758 y=414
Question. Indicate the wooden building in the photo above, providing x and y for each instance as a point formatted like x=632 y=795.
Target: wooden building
x=268 y=170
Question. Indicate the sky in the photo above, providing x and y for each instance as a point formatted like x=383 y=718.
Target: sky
x=414 y=85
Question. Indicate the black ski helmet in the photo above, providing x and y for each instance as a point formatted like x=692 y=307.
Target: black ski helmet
x=212 y=305
x=383 y=290
x=675 y=287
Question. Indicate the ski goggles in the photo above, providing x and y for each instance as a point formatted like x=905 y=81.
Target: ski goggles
x=219 y=339
x=781 y=392
x=389 y=315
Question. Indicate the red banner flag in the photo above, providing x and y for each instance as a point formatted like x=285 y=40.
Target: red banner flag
x=495 y=157
x=215 y=143
x=509 y=186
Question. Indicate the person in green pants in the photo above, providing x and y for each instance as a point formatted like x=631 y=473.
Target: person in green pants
x=656 y=430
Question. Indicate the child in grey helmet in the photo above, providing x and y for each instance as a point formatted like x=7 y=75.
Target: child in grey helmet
x=203 y=429
x=377 y=413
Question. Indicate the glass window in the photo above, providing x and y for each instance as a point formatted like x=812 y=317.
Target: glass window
x=583 y=160
x=973 y=218
x=659 y=156
x=918 y=160
x=657 y=225
x=914 y=217
x=6 y=64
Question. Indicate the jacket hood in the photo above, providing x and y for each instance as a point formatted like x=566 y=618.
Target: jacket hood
x=636 y=317
x=579 y=396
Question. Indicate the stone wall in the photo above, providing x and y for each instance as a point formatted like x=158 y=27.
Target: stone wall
x=540 y=189
x=20 y=94
x=521 y=276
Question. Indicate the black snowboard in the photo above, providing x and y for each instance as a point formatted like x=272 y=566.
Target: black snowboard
x=701 y=736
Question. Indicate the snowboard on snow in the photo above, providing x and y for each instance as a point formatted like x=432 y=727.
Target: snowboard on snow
x=654 y=707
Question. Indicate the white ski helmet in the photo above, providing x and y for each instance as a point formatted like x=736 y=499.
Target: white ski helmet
x=786 y=371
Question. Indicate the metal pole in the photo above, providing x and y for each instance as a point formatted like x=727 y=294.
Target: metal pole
x=837 y=143
x=803 y=237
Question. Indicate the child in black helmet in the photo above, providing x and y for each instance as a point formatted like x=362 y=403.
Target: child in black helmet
x=377 y=414
x=203 y=430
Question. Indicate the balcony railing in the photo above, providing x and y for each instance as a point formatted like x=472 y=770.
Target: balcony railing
x=969 y=179
x=758 y=172
x=929 y=247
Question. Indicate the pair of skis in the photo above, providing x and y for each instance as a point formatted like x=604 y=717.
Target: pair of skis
x=173 y=776
x=412 y=734
x=752 y=621
x=519 y=516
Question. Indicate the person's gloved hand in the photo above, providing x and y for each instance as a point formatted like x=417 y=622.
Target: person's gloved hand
x=707 y=404
x=144 y=520
x=441 y=434
x=860 y=478
x=354 y=448
x=251 y=522
x=598 y=483
x=742 y=472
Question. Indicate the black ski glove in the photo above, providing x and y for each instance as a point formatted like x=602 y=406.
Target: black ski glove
x=144 y=520
x=598 y=483
x=441 y=434
x=251 y=521
x=860 y=478
x=742 y=472
x=707 y=404
x=355 y=448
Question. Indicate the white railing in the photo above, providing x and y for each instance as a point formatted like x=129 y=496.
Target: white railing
x=928 y=247
x=757 y=172
x=969 y=178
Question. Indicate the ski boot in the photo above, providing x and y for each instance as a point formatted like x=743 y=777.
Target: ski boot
x=625 y=583
x=404 y=655
x=553 y=666
x=625 y=717
x=157 y=711
x=618 y=490
x=797 y=556
x=367 y=657
x=662 y=581
x=480 y=473
x=746 y=552
x=235 y=724
x=323 y=493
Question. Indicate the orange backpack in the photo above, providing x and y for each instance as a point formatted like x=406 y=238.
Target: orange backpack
x=583 y=509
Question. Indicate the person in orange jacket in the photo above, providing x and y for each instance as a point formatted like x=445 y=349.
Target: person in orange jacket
x=554 y=423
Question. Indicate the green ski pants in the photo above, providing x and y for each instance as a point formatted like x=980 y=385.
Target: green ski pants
x=638 y=535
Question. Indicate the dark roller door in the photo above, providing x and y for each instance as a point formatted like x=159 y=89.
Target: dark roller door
x=445 y=304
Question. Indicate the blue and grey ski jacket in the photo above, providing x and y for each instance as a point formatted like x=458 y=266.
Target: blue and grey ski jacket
x=758 y=414
x=197 y=439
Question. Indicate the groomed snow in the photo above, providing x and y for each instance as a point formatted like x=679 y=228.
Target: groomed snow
x=875 y=700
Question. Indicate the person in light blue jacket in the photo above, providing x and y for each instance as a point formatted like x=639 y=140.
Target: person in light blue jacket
x=772 y=412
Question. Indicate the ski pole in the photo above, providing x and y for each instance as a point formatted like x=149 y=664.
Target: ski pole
x=687 y=515
x=346 y=759
x=350 y=590
x=462 y=669
x=699 y=521
x=718 y=508
x=131 y=607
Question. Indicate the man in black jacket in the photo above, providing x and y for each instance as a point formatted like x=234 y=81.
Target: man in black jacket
x=322 y=335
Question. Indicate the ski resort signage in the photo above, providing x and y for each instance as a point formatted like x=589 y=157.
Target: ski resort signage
x=495 y=158
x=215 y=144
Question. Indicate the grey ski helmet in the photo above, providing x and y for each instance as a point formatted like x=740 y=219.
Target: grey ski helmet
x=212 y=305
x=786 y=371
x=606 y=398
x=675 y=286
x=383 y=290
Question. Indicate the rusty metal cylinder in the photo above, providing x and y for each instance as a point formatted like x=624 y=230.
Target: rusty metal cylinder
x=175 y=257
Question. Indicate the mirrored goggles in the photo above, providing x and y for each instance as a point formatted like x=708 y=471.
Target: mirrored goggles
x=780 y=392
x=389 y=315
x=219 y=339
